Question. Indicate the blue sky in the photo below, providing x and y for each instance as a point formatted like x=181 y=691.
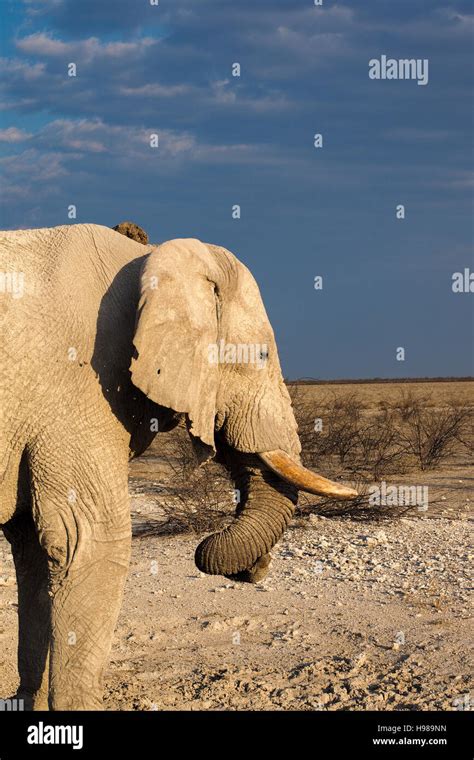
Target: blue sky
x=248 y=140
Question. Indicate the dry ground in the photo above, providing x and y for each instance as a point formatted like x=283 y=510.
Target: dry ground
x=354 y=614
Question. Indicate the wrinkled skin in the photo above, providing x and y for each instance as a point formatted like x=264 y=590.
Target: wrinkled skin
x=109 y=339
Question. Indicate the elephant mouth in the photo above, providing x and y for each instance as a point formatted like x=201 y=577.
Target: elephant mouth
x=304 y=480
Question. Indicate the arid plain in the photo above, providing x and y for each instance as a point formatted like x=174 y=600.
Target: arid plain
x=366 y=608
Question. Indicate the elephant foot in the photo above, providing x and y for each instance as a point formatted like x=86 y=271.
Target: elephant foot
x=254 y=574
x=38 y=701
x=26 y=702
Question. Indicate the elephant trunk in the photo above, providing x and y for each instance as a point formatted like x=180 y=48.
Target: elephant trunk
x=266 y=507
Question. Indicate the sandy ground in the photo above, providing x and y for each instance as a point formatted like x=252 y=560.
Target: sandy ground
x=353 y=616
x=356 y=615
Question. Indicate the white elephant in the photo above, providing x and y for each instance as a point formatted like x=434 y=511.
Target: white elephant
x=107 y=339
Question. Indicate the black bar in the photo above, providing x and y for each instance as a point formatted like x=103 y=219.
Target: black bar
x=137 y=734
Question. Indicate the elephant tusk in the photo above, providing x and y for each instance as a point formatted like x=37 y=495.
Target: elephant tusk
x=305 y=480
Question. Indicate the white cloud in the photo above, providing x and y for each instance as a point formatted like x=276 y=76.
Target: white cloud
x=461 y=179
x=122 y=142
x=14 y=135
x=27 y=71
x=415 y=134
x=222 y=93
x=463 y=22
x=46 y=4
x=67 y=147
x=33 y=174
x=225 y=92
x=42 y=44
x=156 y=90
x=439 y=24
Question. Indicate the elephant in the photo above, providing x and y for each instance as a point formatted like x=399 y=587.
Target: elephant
x=108 y=340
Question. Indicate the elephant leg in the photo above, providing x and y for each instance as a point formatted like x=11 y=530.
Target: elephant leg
x=34 y=610
x=84 y=614
x=81 y=508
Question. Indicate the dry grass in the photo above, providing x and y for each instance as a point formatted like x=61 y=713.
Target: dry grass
x=363 y=443
x=364 y=439
x=194 y=499
x=407 y=432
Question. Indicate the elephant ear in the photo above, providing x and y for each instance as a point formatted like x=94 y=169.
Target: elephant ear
x=176 y=323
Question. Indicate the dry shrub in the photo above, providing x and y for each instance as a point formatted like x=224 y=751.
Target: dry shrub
x=340 y=418
x=363 y=445
x=352 y=439
x=357 y=509
x=357 y=445
x=432 y=435
x=379 y=448
x=405 y=434
x=407 y=402
x=193 y=499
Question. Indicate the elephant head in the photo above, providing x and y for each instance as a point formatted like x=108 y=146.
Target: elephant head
x=204 y=347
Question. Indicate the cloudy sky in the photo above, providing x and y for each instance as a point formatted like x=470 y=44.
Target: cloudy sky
x=249 y=140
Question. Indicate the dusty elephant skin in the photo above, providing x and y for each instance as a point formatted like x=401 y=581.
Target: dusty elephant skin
x=108 y=341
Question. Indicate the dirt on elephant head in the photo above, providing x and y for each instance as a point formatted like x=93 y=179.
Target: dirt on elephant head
x=133 y=231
